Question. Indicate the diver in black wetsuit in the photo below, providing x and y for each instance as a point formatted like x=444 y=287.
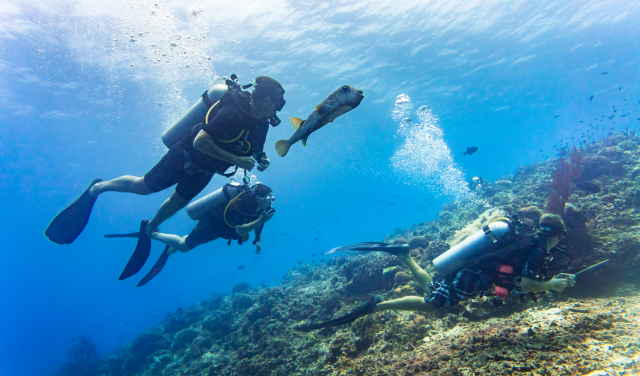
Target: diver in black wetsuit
x=234 y=221
x=525 y=273
x=235 y=136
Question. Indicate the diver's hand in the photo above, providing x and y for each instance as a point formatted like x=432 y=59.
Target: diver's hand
x=264 y=162
x=246 y=163
x=562 y=281
x=265 y=217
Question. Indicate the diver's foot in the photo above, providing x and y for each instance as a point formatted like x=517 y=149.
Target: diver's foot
x=374 y=302
x=151 y=229
x=95 y=190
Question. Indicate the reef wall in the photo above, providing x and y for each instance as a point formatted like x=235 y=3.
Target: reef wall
x=585 y=329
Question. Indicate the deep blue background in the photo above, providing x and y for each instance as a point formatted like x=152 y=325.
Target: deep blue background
x=79 y=100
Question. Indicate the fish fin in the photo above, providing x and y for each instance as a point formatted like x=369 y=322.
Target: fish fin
x=282 y=147
x=296 y=123
x=304 y=141
x=318 y=107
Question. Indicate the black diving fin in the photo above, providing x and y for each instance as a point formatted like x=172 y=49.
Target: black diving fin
x=129 y=235
x=373 y=246
x=364 y=310
x=140 y=254
x=156 y=268
x=70 y=222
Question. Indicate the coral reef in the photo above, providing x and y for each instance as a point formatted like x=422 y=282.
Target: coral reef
x=589 y=328
x=83 y=359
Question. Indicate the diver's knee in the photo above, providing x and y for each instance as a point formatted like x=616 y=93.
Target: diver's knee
x=142 y=187
x=176 y=200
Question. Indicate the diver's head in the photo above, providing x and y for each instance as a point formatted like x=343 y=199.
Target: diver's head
x=264 y=197
x=267 y=99
x=551 y=229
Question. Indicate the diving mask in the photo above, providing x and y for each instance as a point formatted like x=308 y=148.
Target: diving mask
x=268 y=201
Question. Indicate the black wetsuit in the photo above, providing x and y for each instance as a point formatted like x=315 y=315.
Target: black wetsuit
x=473 y=281
x=232 y=129
x=214 y=226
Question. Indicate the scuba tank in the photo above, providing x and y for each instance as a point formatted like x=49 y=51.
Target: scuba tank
x=199 y=208
x=194 y=115
x=493 y=237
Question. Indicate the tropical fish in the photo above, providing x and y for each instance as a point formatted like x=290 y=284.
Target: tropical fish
x=341 y=101
x=240 y=267
x=470 y=150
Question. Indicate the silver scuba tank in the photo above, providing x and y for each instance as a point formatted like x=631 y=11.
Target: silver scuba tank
x=193 y=116
x=199 y=208
x=474 y=246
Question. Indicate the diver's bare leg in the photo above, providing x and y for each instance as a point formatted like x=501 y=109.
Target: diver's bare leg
x=127 y=183
x=408 y=303
x=167 y=209
x=174 y=241
x=420 y=274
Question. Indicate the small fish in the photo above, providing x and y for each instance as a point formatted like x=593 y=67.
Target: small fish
x=396 y=196
x=604 y=73
x=300 y=262
x=470 y=150
x=341 y=101
x=336 y=222
x=321 y=260
x=240 y=267
x=620 y=89
x=283 y=234
x=421 y=207
x=557 y=116
x=316 y=239
x=590 y=99
x=313 y=254
x=391 y=204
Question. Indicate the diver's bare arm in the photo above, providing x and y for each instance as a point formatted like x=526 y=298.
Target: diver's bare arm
x=248 y=227
x=204 y=143
x=557 y=284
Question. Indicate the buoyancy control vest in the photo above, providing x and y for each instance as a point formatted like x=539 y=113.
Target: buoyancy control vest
x=237 y=142
x=502 y=247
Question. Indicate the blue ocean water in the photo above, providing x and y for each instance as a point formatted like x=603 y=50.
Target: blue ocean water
x=86 y=91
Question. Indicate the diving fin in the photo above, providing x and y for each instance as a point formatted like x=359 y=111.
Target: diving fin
x=364 y=310
x=129 y=235
x=156 y=268
x=394 y=249
x=70 y=222
x=140 y=254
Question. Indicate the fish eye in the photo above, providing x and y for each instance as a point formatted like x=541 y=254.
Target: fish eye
x=345 y=88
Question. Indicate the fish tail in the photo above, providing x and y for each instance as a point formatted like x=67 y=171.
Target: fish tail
x=282 y=147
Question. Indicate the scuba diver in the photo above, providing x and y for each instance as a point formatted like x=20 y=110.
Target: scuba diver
x=248 y=210
x=226 y=127
x=505 y=256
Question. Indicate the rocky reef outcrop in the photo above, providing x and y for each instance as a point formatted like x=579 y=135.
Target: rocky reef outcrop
x=590 y=328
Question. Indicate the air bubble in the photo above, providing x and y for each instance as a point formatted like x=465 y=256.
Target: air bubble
x=402 y=108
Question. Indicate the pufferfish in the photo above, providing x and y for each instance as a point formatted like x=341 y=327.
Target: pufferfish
x=341 y=101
